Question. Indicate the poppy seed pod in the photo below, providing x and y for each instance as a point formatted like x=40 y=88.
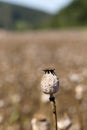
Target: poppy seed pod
x=49 y=82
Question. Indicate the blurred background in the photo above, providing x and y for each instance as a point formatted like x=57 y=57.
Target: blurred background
x=35 y=35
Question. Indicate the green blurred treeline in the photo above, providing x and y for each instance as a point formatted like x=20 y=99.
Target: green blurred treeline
x=21 y=18
x=74 y=15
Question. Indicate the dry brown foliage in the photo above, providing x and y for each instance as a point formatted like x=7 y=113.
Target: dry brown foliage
x=22 y=58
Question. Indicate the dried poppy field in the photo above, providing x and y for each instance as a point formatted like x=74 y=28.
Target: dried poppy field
x=23 y=56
